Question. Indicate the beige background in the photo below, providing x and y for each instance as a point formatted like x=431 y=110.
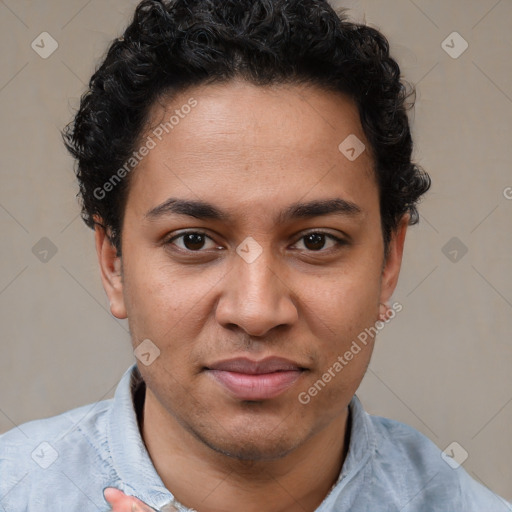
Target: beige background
x=443 y=365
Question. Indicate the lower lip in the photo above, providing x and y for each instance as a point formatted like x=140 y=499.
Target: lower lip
x=256 y=387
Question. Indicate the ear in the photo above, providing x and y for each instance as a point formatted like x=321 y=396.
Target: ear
x=111 y=270
x=391 y=268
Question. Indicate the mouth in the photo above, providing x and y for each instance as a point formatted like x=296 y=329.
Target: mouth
x=246 y=379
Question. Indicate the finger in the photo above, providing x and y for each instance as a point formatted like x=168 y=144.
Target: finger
x=117 y=500
x=120 y=502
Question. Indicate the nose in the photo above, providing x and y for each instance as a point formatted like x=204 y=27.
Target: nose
x=255 y=297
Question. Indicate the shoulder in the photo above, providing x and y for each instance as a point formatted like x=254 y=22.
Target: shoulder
x=69 y=428
x=424 y=474
x=48 y=453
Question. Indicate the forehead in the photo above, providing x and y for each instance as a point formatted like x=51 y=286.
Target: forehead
x=238 y=140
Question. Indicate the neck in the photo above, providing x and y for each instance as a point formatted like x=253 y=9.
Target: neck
x=207 y=481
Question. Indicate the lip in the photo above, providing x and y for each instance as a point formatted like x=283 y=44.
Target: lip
x=247 y=379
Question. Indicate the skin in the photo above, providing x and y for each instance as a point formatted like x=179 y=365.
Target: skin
x=251 y=152
x=122 y=503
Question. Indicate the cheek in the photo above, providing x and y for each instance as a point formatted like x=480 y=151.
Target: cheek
x=155 y=296
x=167 y=304
x=342 y=309
x=346 y=301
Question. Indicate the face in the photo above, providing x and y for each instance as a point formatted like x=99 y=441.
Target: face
x=253 y=258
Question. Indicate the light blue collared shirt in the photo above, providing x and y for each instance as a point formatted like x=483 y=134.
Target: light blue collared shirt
x=64 y=463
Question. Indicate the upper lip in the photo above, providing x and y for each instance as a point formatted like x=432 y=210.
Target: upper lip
x=251 y=367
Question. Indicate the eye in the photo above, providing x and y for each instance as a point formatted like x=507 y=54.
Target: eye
x=192 y=241
x=196 y=241
x=316 y=240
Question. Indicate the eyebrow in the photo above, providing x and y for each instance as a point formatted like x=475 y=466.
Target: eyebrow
x=206 y=211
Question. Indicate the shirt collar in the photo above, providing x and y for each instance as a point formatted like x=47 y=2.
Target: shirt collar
x=137 y=476
x=362 y=443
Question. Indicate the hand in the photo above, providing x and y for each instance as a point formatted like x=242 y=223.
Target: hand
x=120 y=502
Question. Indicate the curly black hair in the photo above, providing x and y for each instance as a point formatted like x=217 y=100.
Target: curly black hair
x=171 y=45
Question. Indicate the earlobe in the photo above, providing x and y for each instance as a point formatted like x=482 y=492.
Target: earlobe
x=383 y=311
x=111 y=271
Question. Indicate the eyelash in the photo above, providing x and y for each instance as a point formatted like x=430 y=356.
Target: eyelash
x=339 y=242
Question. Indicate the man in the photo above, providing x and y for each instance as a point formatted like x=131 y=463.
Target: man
x=246 y=166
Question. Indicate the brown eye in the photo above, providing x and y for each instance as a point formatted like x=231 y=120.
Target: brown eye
x=316 y=241
x=192 y=241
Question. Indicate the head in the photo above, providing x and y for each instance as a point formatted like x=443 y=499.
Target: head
x=215 y=163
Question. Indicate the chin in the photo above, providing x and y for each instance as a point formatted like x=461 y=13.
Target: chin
x=251 y=450
x=253 y=443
